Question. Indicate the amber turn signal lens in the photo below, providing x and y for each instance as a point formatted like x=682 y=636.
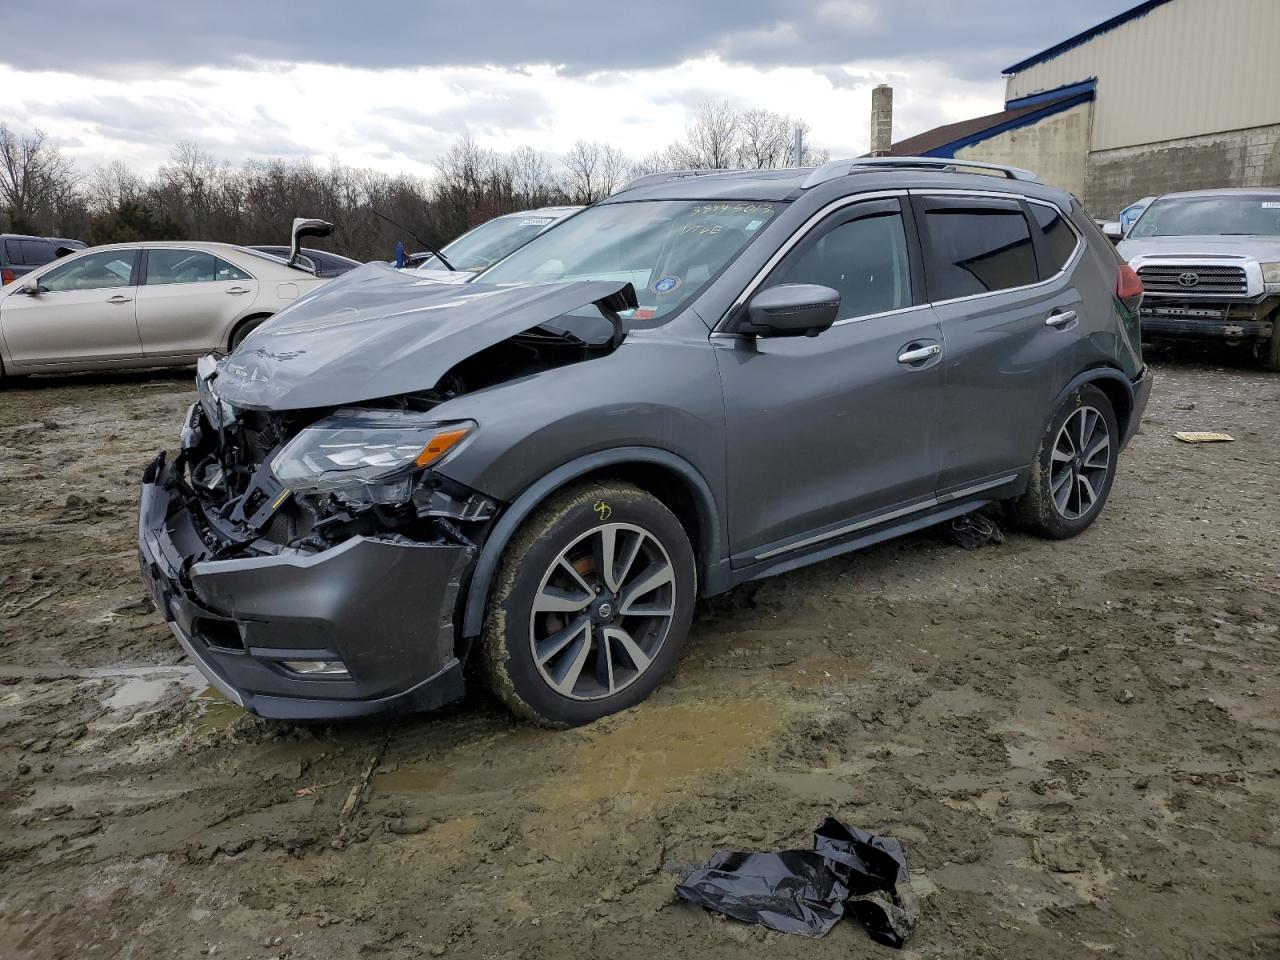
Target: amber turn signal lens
x=440 y=444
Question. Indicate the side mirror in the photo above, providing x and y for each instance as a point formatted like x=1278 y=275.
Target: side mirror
x=30 y=289
x=303 y=227
x=792 y=310
x=1111 y=230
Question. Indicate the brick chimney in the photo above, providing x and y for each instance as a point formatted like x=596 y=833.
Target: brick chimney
x=881 y=120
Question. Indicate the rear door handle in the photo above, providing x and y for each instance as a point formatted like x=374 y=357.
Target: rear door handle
x=916 y=354
x=118 y=298
x=1060 y=319
x=238 y=290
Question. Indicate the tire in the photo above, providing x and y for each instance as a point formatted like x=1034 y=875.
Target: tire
x=1057 y=503
x=622 y=635
x=1271 y=358
x=246 y=327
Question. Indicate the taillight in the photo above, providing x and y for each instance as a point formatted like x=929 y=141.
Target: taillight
x=1128 y=286
x=7 y=276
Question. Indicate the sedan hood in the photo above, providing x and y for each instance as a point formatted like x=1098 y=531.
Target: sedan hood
x=378 y=332
x=1263 y=249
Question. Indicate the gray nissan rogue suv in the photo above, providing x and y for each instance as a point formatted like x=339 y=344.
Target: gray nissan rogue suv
x=707 y=378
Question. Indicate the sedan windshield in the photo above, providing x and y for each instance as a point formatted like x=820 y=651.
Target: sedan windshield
x=1211 y=217
x=490 y=242
x=668 y=249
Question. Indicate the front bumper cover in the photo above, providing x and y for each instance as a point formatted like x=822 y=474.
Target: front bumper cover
x=383 y=606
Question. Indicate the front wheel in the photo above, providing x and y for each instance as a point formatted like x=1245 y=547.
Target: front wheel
x=1074 y=468
x=591 y=605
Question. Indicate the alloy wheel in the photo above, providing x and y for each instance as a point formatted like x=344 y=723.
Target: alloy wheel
x=602 y=611
x=1080 y=461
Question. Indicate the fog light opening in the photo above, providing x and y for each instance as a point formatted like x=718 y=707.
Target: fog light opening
x=318 y=668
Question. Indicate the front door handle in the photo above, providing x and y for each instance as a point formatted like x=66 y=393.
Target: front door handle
x=238 y=290
x=1060 y=319
x=119 y=298
x=916 y=354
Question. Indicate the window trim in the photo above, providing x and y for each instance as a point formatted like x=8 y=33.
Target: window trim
x=916 y=247
x=998 y=194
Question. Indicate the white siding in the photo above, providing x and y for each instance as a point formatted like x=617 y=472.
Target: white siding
x=1186 y=68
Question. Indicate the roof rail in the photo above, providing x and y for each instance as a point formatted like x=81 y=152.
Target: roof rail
x=671 y=176
x=840 y=168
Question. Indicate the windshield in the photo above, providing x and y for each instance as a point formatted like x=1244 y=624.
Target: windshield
x=490 y=242
x=668 y=249
x=1211 y=217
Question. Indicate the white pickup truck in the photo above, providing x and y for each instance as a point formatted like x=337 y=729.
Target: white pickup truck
x=1210 y=265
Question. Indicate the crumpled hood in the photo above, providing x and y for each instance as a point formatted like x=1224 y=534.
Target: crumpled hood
x=1264 y=249
x=377 y=332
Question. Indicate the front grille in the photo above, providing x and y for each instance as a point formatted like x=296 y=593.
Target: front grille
x=1197 y=279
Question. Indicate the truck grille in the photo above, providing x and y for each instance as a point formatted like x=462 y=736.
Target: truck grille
x=1170 y=278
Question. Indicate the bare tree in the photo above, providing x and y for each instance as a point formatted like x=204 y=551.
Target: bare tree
x=711 y=140
x=595 y=170
x=765 y=139
x=36 y=180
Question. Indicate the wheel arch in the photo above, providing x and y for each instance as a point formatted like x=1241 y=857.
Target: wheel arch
x=1110 y=381
x=240 y=324
x=669 y=477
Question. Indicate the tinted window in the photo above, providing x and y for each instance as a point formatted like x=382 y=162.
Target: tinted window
x=93 y=271
x=13 y=251
x=1059 y=239
x=36 y=253
x=864 y=260
x=189 y=266
x=977 y=250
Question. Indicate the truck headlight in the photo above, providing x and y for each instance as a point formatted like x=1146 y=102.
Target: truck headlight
x=1271 y=275
x=370 y=455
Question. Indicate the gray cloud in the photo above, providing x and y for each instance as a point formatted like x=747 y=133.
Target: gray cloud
x=975 y=38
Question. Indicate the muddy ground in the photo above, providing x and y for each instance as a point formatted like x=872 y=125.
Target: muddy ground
x=1077 y=741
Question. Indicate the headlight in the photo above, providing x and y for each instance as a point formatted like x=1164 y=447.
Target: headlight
x=217 y=412
x=1271 y=273
x=370 y=455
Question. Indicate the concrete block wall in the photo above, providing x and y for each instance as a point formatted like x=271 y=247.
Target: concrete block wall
x=1237 y=158
x=1055 y=147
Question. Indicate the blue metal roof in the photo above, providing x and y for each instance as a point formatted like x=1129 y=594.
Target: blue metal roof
x=1133 y=13
x=1014 y=120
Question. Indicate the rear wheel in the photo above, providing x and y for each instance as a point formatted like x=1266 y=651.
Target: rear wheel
x=591 y=605
x=1074 y=468
x=246 y=327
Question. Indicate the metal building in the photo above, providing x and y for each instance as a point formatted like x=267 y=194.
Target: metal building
x=1169 y=95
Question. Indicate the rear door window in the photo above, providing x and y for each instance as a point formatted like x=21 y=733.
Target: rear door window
x=1058 y=240
x=977 y=246
x=13 y=251
x=36 y=253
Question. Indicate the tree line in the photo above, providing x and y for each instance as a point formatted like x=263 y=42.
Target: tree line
x=194 y=196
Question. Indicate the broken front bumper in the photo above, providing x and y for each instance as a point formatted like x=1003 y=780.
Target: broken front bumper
x=384 y=607
x=1215 y=321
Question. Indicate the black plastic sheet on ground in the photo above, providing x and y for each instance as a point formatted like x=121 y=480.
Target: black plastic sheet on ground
x=808 y=891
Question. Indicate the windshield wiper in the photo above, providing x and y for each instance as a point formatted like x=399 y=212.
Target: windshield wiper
x=426 y=246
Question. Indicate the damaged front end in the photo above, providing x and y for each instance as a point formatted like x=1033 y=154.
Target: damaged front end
x=331 y=596
x=301 y=545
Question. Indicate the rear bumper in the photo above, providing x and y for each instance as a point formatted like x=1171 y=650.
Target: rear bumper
x=1141 y=394
x=383 y=607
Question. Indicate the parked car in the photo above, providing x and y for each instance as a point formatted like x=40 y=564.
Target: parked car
x=20 y=254
x=324 y=263
x=1210 y=263
x=483 y=246
x=699 y=381
x=1115 y=230
x=144 y=304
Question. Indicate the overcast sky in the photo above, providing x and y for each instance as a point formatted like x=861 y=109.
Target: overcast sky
x=388 y=85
